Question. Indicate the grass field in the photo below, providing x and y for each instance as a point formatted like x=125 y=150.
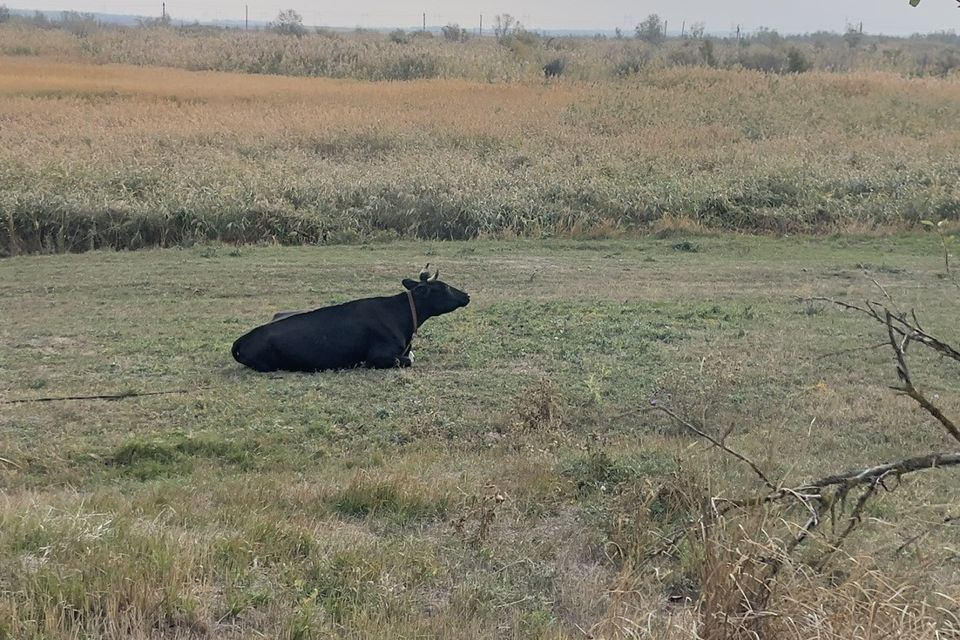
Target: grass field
x=121 y=156
x=514 y=482
x=502 y=487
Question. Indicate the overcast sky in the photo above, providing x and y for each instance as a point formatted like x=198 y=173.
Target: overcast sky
x=720 y=16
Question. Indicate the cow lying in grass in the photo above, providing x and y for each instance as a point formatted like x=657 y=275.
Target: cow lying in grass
x=376 y=332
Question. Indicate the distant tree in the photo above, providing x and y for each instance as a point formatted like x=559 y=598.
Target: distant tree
x=697 y=30
x=821 y=39
x=853 y=37
x=767 y=36
x=651 y=30
x=797 y=61
x=618 y=33
x=4 y=13
x=707 y=53
x=289 y=23
x=453 y=33
x=505 y=25
x=41 y=20
x=163 y=21
x=399 y=36
x=78 y=24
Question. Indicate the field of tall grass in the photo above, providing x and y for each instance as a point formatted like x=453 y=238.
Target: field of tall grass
x=123 y=156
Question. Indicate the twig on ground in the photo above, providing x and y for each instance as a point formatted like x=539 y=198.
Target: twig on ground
x=912 y=539
x=106 y=396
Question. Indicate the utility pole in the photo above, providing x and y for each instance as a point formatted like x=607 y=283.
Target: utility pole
x=665 y=28
x=683 y=28
x=424 y=21
x=246 y=17
x=861 y=27
x=738 y=33
x=163 y=12
x=481 y=24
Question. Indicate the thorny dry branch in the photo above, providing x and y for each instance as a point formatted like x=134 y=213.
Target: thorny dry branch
x=902 y=326
x=716 y=442
x=828 y=495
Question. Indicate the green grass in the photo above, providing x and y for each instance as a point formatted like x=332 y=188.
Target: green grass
x=302 y=506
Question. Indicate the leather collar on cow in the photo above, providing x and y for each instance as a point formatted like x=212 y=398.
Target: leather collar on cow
x=413 y=313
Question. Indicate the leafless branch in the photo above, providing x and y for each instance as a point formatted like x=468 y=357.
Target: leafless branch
x=828 y=494
x=900 y=324
x=717 y=443
x=883 y=291
x=903 y=372
x=842 y=352
x=814 y=489
x=852 y=521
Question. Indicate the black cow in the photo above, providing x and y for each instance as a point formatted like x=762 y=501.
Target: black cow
x=376 y=332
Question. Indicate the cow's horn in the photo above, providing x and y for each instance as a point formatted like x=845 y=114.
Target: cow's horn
x=434 y=276
x=425 y=273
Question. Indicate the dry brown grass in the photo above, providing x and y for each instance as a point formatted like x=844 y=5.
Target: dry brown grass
x=123 y=156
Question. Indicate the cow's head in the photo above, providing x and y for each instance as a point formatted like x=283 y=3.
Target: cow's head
x=434 y=297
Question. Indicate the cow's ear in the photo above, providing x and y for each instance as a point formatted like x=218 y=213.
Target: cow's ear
x=409 y=284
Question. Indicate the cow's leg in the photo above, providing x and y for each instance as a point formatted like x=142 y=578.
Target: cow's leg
x=383 y=357
x=406 y=359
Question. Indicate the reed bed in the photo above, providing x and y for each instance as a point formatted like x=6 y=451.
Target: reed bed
x=124 y=156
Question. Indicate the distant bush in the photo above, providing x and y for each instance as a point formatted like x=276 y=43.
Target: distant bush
x=4 y=14
x=407 y=67
x=767 y=36
x=40 y=21
x=632 y=61
x=153 y=23
x=685 y=55
x=554 y=68
x=797 y=62
x=453 y=33
x=945 y=62
x=78 y=24
x=651 y=30
x=762 y=59
x=707 y=53
x=529 y=38
x=398 y=36
x=289 y=23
